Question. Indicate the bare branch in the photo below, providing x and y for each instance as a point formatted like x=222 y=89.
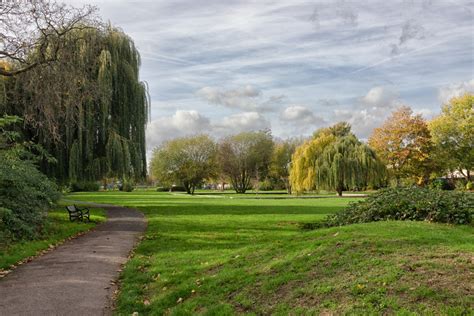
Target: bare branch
x=38 y=26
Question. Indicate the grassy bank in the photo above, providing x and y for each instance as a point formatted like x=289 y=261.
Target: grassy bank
x=223 y=256
x=57 y=228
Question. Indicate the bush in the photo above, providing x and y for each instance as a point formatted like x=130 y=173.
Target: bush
x=177 y=188
x=469 y=186
x=89 y=186
x=265 y=185
x=127 y=187
x=416 y=204
x=162 y=189
x=25 y=196
x=441 y=184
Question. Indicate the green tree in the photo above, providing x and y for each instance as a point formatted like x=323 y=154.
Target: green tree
x=187 y=161
x=335 y=160
x=244 y=157
x=404 y=144
x=281 y=161
x=87 y=108
x=453 y=134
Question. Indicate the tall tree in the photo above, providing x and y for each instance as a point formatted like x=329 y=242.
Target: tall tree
x=453 y=134
x=244 y=157
x=335 y=160
x=87 y=108
x=404 y=143
x=187 y=161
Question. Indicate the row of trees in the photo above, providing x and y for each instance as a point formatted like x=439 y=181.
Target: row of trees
x=237 y=159
x=416 y=150
x=405 y=148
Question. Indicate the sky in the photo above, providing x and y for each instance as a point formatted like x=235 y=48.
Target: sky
x=222 y=67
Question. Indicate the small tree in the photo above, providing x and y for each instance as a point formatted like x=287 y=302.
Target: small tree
x=335 y=160
x=245 y=156
x=453 y=134
x=281 y=161
x=187 y=161
x=404 y=144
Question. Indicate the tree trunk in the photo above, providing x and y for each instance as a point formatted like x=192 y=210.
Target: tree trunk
x=339 y=191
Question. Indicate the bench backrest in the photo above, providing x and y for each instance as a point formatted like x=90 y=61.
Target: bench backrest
x=72 y=209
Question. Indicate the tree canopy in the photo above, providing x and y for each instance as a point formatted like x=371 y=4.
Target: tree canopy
x=334 y=159
x=186 y=161
x=87 y=108
x=244 y=157
x=403 y=142
x=453 y=134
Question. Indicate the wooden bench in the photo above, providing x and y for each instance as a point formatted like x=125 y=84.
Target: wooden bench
x=78 y=214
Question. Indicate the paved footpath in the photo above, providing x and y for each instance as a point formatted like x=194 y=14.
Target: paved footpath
x=75 y=278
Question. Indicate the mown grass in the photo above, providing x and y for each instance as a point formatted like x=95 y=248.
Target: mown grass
x=222 y=256
x=56 y=229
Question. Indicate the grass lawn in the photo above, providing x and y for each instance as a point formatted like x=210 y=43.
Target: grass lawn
x=223 y=256
x=57 y=228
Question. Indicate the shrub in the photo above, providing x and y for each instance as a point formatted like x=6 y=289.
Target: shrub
x=25 y=196
x=469 y=186
x=85 y=186
x=162 y=189
x=127 y=187
x=177 y=188
x=265 y=185
x=414 y=203
x=441 y=184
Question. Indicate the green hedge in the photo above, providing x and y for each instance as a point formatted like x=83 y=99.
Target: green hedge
x=413 y=203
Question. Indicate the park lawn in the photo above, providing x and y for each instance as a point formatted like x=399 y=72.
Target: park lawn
x=217 y=256
x=57 y=228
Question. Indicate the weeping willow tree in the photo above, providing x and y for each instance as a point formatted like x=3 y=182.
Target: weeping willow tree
x=88 y=109
x=335 y=160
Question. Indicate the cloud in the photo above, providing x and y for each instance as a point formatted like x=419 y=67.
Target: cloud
x=300 y=120
x=185 y=123
x=448 y=92
x=246 y=121
x=180 y=124
x=380 y=97
x=300 y=114
x=372 y=109
x=246 y=98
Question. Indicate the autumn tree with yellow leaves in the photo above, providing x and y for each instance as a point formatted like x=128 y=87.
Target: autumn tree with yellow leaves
x=404 y=143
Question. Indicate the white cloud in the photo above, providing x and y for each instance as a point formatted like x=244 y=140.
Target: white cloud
x=380 y=97
x=455 y=90
x=180 y=124
x=186 y=123
x=300 y=114
x=300 y=120
x=372 y=110
x=246 y=98
x=246 y=121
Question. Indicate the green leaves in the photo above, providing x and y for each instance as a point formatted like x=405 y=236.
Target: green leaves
x=335 y=160
x=411 y=203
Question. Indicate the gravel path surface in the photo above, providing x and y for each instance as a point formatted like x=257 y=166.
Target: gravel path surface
x=77 y=278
